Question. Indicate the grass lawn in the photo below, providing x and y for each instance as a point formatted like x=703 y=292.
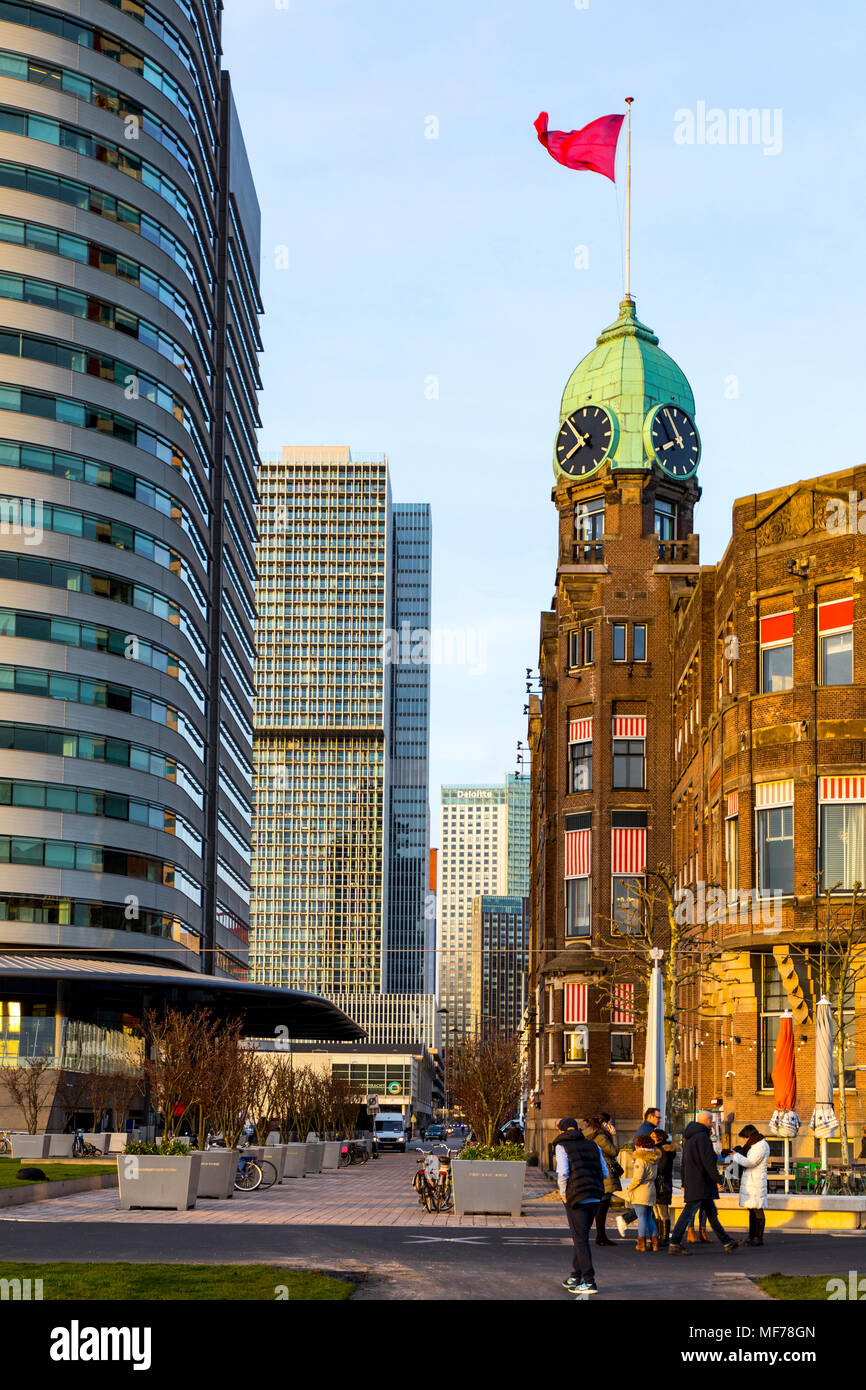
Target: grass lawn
x=149 y=1282
x=808 y=1287
x=54 y=1171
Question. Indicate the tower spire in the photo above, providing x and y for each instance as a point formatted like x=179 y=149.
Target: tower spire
x=628 y=102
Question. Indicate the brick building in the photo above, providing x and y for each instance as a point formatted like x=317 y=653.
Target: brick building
x=651 y=730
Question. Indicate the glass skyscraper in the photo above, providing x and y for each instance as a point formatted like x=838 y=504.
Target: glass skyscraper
x=340 y=848
x=129 y=251
x=410 y=959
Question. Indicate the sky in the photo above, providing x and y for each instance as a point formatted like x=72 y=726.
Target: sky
x=431 y=277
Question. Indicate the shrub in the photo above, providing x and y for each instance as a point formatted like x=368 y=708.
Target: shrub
x=169 y=1148
x=500 y=1153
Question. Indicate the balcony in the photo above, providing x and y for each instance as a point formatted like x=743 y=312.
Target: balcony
x=677 y=553
x=588 y=553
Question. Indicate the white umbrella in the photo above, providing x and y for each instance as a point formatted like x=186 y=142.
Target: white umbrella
x=823 y=1120
x=654 y=1093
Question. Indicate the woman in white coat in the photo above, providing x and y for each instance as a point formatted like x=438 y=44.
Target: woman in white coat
x=753 y=1157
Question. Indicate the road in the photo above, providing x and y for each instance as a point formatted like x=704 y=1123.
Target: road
x=409 y=1263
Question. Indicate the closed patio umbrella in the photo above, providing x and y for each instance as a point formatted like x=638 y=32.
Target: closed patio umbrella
x=823 y=1120
x=654 y=1080
x=785 y=1120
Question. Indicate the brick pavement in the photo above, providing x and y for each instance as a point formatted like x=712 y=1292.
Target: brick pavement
x=377 y=1194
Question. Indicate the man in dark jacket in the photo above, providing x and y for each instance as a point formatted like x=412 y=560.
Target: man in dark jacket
x=652 y=1118
x=580 y=1175
x=701 y=1183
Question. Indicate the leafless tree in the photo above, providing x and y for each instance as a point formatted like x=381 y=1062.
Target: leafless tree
x=30 y=1086
x=486 y=1080
x=843 y=976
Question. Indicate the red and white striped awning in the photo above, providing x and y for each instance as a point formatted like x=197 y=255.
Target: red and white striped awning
x=578 y=853
x=836 y=617
x=623 y=1004
x=628 y=850
x=580 y=731
x=774 y=794
x=842 y=789
x=779 y=627
x=574 y=1003
x=629 y=726
x=733 y=805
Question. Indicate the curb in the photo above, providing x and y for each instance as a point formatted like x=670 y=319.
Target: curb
x=44 y=1191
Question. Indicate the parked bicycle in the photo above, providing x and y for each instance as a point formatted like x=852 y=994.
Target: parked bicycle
x=80 y=1147
x=5 y=1142
x=353 y=1152
x=252 y=1173
x=432 y=1180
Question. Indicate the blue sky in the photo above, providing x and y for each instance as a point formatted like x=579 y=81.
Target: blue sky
x=412 y=259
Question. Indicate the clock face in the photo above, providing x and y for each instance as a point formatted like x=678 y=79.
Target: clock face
x=673 y=440
x=584 y=440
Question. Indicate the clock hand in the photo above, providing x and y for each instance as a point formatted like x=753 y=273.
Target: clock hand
x=674 y=428
x=581 y=440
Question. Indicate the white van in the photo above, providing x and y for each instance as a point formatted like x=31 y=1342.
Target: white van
x=389 y=1130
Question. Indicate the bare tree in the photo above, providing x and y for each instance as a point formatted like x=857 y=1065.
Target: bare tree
x=175 y=1041
x=486 y=1076
x=30 y=1086
x=661 y=918
x=99 y=1089
x=127 y=1090
x=842 y=936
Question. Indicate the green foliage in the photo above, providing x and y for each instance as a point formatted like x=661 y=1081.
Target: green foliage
x=174 y=1282
x=796 y=1287
x=169 y=1148
x=497 y=1153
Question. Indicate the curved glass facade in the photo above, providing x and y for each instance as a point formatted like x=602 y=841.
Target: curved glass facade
x=129 y=300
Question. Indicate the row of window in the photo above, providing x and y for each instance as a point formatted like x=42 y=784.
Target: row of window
x=87 y=801
x=628 y=764
x=628 y=644
x=835 y=647
x=97 y=859
x=78 y=912
x=62 y=743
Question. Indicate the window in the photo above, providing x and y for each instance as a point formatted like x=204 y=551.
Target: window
x=577 y=906
x=620 y=631
x=576 y=1045
x=775 y=850
x=628 y=762
x=773 y=1005
x=621 y=1049
x=588 y=646
x=842 y=844
x=665 y=519
x=580 y=767
x=732 y=855
x=777 y=653
x=574 y=648
x=837 y=658
x=626 y=902
x=638 y=642
x=589 y=519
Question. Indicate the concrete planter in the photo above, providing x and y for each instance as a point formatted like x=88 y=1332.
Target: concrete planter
x=275 y=1154
x=487 y=1186
x=315 y=1154
x=30 y=1145
x=295 y=1161
x=118 y=1140
x=331 y=1156
x=155 y=1180
x=217 y=1173
x=60 y=1146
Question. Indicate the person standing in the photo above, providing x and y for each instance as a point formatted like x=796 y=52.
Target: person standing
x=580 y=1174
x=701 y=1183
x=642 y=1190
x=652 y=1118
x=753 y=1158
x=664 y=1184
x=602 y=1133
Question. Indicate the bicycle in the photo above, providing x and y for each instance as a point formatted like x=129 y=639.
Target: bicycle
x=249 y=1175
x=353 y=1152
x=81 y=1149
x=423 y=1186
x=5 y=1142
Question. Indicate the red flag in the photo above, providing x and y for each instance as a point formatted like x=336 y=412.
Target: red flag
x=593 y=147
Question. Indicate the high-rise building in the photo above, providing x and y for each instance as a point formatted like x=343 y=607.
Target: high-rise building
x=476 y=858
x=500 y=945
x=340 y=829
x=129 y=299
x=410 y=935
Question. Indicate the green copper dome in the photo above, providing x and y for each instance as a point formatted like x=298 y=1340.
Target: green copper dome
x=629 y=373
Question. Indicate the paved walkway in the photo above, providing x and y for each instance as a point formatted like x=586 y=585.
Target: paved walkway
x=377 y=1194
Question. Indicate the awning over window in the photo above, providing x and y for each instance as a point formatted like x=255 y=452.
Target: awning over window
x=623 y=1004
x=733 y=805
x=628 y=850
x=835 y=617
x=580 y=731
x=629 y=726
x=779 y=627
x=774 y=794
x=842 y=789
x=578 y=853
x=574 y=1003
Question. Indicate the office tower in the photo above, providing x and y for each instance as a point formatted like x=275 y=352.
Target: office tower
x=340 y=842
x=410 y=935
x=499 y=964
x=473 y=860
x=129 y=299
x=518 y=801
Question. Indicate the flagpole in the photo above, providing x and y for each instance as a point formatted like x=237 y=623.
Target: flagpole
x=628 y=101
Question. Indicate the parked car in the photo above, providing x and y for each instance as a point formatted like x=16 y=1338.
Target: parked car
x=435 y=1132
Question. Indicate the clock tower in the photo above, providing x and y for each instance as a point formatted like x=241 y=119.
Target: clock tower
x=625 y=459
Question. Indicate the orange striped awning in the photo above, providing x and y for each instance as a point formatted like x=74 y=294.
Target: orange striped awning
x=580 y=731
x=629 y=726
x=774 y=794
x=574 y=1003
x=623 y=1004
x=578 y=853
x=628 y=850
x=842 y=789
x=733 y=805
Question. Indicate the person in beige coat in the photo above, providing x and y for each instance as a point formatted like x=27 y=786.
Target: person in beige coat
x=642 y=1190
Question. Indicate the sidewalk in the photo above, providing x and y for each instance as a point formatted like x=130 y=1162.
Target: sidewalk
x=377 y=1194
